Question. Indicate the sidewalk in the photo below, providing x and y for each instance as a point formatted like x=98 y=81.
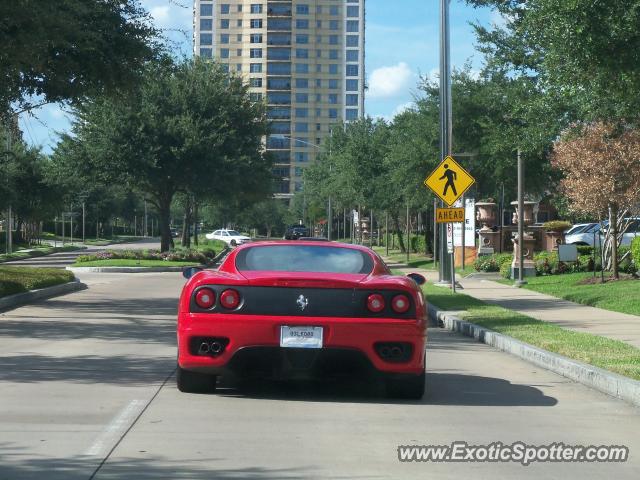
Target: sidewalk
x=573 y=316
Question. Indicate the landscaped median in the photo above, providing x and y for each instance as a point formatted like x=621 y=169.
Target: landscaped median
x=134 y=261
x=23 y=285
x=608 y=365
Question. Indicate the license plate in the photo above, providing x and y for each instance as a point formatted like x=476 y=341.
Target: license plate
x=301 y=337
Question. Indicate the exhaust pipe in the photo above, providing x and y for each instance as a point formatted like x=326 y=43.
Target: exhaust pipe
x=385 y=352
x=216 y=347
x=203 y=349
x=396 y=352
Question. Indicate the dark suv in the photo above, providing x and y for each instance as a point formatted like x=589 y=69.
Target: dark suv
x=294 y=232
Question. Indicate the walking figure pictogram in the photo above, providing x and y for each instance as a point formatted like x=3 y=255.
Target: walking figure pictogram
x=451 y=177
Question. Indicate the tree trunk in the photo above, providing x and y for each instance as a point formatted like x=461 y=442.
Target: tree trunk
x=164 y=220
x=186 y=224
x=396 y=226
x=613 y=233
x=195 y=223
x=427 y=232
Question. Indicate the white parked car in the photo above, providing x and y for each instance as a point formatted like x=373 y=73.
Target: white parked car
x=230 y=237
x=589 y=234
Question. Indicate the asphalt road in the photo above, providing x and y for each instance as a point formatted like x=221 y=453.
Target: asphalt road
x=64 y=259
x=87 y=391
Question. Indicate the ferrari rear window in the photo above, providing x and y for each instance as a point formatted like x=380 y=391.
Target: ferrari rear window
x=304 y=258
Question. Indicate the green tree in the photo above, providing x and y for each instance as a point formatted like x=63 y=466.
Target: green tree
x=187 y=128
x=63 y=50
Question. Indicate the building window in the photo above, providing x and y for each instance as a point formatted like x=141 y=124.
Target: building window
x=333 y=113
x=302 y=83
x=318 y=113
x=302 y=98
x=333 y=10
x=302 y=53
x=333 y=69
x=333 y=54
x=298 y=172
x=279 y=68
x=318 y=68
x=352 y=70
x=352 y=100
x=279 y=54
x=352 y=114
x=224 y=67
x=302 y=112
x=206 y=53
x=255 y=23
x=279 y=24
x=255 y=68
x=255 y=82
x=255 y=53
x=302 y=127
x=352 y=40
x=279 y=83
x=224 y=53
x=302 y=68
x=302 y=24
x=239 y=23
x=239 y=7
x=333 y=98
x=353 y=11
x=280 y=113
x=352 y=55
x=224 y=38
x=302 y=157
x=333 y=25
x=333 y=84
x=238 y=67
x=334 y=40
x=255 y=97
x=318 y=23
x=256 y=38
x=302 y=9
x=302 y=38
x=256 y=8
x=206 y=10
x=352 y=86
x=318 y=53
x=319 y=39
x=279 y=98
x=224 y=23
x=206 y=39
x=318 y=85
x=319 y=9
x=206 y=24
x=352 y=25
x=239 y=52
x=224 y=8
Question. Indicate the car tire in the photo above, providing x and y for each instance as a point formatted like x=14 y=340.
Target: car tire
x=409 y=387
x=195 y=382
x=233 y=243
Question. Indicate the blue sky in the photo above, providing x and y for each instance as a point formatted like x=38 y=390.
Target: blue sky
x=401 y=44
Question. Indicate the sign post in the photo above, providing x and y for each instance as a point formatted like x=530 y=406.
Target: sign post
x=449 y=181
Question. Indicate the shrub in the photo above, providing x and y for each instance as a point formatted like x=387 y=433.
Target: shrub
x=20 y=279
x=491 y=263
x=178 y=255
x=556 y=226
x=505 y=270
x=585 y=250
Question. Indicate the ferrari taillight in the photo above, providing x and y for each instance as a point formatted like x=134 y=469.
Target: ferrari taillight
x=205 y=298
x=375 y=303
x=400 y=303
x=230 y=299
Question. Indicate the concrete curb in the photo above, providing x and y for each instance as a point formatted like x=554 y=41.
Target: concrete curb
x=19 y=299
x=123 y=269
x=602 y=380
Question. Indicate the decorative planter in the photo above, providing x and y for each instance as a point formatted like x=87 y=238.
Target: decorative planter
x=487 y=214
x=552 y=240
x=528 y=216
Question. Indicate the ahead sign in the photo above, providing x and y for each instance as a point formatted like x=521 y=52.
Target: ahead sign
x=448 y=215
x=449 y=181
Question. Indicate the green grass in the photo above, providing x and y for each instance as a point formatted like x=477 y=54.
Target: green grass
x=621 y=296
x=132 y=263
x=203 y=244
x=22 y=279
x=602 y=352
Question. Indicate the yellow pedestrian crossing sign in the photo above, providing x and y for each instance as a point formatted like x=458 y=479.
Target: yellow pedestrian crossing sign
x=449 y=181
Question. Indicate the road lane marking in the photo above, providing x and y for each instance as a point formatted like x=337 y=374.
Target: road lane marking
x=116 y=428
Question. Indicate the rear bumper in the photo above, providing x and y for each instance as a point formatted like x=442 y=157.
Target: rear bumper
x=254 y=345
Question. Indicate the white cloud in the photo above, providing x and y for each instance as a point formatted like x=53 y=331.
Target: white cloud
x=403 y=107
x=389 y=82
x=161 y=15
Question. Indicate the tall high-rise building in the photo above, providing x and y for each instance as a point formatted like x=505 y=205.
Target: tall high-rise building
x=304 y=57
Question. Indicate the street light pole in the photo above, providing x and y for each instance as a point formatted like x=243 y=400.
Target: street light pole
x=520 y=280
x=445 y=270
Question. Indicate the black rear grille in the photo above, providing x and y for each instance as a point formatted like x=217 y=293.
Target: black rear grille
x=306 y=302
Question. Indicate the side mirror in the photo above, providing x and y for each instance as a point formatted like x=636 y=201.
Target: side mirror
x=188 y=272
x=416 y=277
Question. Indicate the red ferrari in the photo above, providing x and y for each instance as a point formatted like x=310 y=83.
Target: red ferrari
x=291 y=309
